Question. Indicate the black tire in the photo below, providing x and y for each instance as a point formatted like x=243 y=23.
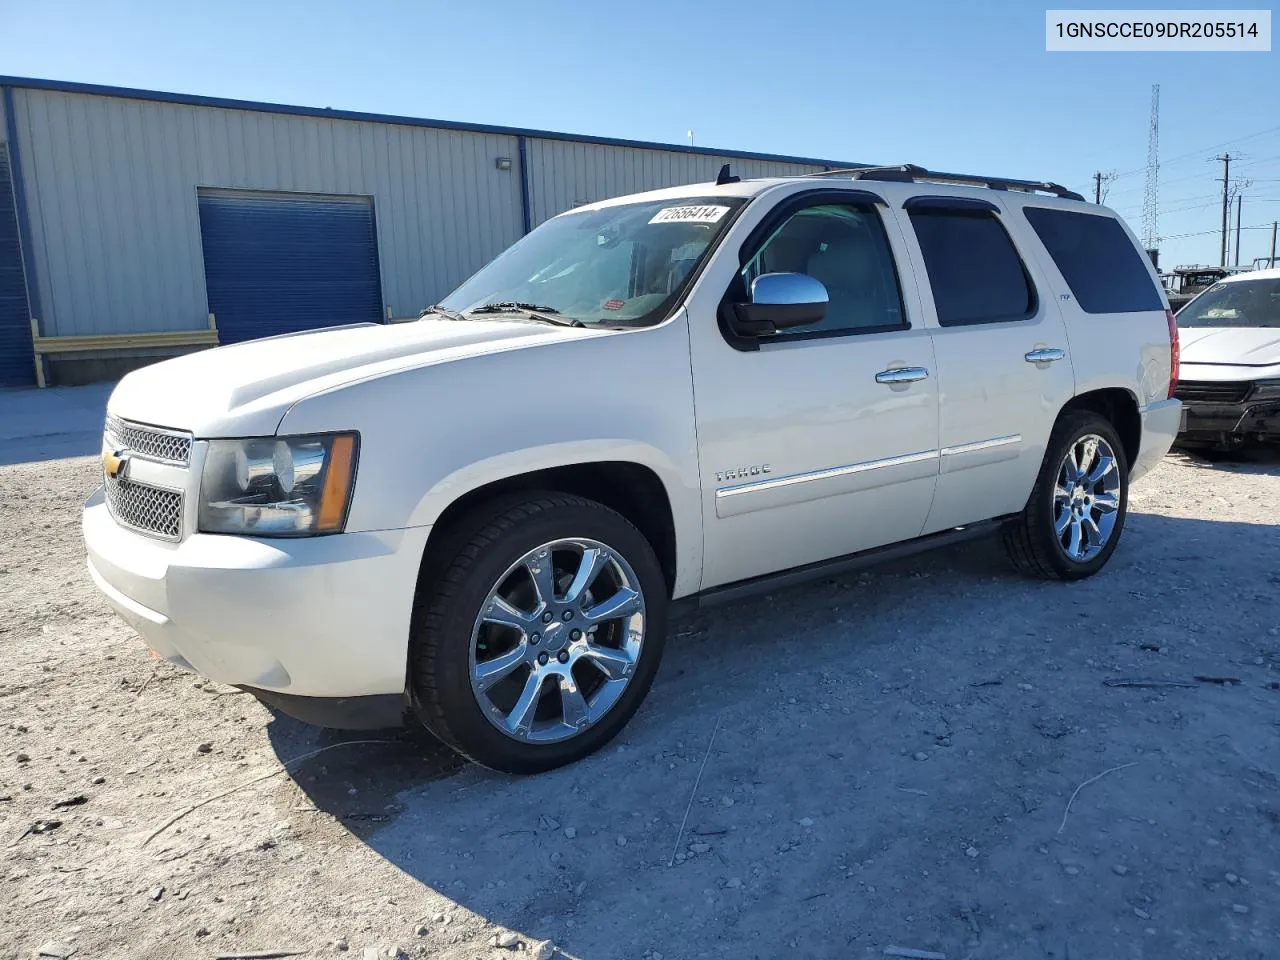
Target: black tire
x=474 y=556
x=1030 y=540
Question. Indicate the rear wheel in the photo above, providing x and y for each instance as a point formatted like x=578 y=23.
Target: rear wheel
x=1074 y=517
x=539 y=635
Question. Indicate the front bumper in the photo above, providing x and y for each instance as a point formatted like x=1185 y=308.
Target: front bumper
x=1232 y=424
x=312 y=617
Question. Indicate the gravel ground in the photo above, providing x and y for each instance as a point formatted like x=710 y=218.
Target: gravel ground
x=886 y=760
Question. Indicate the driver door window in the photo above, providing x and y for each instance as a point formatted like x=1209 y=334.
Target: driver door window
x=844 y=247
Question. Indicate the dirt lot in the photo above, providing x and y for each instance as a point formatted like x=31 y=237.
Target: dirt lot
x=892 y=762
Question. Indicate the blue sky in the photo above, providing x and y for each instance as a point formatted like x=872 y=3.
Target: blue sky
x=950 y=85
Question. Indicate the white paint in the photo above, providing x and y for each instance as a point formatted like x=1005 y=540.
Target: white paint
x=445 y=407
x=1255 y=348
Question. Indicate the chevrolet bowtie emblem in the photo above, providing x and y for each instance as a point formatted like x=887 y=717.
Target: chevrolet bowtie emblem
x=116 y=464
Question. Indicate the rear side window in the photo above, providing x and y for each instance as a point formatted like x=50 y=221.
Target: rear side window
x=1105 y=271
x=974 y=270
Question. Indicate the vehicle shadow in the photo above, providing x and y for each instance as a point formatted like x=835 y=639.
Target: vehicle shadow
x=850 y=741
x=1250 y=459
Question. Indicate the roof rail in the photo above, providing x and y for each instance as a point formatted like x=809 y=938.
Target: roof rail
x=910 y=173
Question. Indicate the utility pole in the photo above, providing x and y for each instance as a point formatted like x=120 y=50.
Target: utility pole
x=1100 y=181
x=1273 y=243
x=1239 y=204
x=1226 y=204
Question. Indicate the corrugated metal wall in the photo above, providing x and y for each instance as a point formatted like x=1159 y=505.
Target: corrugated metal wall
x=17 y=358
x=111 y=187
x=564 y=174
x=111 y=190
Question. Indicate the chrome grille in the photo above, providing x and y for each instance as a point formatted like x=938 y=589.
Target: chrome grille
x=154 y=443
x=145 y=508
x=1209 y=391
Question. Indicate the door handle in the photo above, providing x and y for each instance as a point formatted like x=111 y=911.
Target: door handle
x=1044 y=355
x=901 y=375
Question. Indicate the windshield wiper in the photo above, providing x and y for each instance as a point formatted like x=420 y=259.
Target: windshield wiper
x=439 y=311
x=531 y=311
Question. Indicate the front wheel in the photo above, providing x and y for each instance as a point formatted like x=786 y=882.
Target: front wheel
x=1074 y=517
x=538 y=636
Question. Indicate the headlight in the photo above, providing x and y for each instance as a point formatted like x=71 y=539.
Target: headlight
x=1266 y=390
x=278 y=486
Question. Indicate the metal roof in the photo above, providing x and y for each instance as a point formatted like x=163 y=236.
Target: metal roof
x=195 y=100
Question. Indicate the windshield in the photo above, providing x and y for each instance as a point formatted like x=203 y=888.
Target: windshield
x=1240 y=303
x=623 y=264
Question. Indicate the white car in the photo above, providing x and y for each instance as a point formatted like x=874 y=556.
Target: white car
x=1231 y=362
x=680 y=396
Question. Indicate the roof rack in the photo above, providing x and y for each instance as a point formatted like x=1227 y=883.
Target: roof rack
x=910 y=173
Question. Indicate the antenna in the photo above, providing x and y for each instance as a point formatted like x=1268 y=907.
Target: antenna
x=1150 y=230
x=724 y=176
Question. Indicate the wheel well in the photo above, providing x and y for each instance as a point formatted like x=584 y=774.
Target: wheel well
x=1119 y=407
x=629 y=488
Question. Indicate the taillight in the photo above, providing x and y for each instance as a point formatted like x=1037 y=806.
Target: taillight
x=1175 y=353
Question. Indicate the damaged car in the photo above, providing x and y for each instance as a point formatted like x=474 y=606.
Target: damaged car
x=1230 y=373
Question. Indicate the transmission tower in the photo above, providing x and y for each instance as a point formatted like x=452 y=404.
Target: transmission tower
x=1150 y=231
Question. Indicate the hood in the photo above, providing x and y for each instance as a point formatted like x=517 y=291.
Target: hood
x=1234 y=346
x=246 y=388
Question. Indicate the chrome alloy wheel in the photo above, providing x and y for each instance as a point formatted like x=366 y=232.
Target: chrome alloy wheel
x=557 y=640
x=1086 y=498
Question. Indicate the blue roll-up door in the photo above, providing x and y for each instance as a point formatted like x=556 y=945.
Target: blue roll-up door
x=279 y=263
x=17 y=358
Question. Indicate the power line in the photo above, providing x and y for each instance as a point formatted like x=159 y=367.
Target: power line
x=1135 y=187
x=1207 y=233
x=1134 y=205
x=1250 y=163
x=1188 y=204
x=1165 y=183
x=1197 y=206
x=1196 y=154
x=1113 y=194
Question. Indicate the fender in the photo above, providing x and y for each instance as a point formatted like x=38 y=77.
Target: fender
x=682 y=491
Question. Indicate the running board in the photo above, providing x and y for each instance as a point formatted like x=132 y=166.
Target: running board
x=772 y=582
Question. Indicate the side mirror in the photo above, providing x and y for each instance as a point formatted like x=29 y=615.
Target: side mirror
x=780 y=301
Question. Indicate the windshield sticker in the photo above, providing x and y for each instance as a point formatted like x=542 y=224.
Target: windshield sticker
x=615 y=304
x=702 y=213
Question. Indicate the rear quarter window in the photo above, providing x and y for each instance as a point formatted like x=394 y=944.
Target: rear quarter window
x=1105 y=271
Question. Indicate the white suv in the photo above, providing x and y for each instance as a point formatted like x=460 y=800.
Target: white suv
x=682 y=395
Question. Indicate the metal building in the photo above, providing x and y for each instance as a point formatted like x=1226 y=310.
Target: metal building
x=136 y=224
